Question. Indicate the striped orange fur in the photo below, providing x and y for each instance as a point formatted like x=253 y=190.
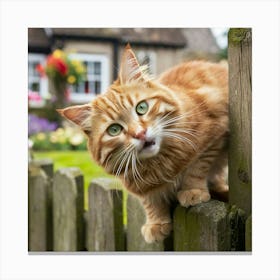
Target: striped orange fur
x=165 y=138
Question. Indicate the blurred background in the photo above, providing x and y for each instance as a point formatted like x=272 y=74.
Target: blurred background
x=68 y=66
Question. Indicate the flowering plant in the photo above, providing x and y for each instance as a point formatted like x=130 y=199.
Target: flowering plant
x=34 y=96
x=61 y=68
x=37 y=124
x=68 y=138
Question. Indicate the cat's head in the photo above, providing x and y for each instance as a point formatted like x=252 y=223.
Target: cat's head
x=125 y=125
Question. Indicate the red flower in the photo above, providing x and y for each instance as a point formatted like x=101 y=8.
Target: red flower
x=61 y=66
x=58 y=64
x=40 y=69
x=50 y=61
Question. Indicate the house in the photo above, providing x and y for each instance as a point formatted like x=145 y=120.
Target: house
x=101 y=48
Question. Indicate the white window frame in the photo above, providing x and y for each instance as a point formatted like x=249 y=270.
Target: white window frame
x=152 y=55
x=103 y=59
x=43 y=81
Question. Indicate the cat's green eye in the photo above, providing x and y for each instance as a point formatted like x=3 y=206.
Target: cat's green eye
x=142 y=108
x=114 y=129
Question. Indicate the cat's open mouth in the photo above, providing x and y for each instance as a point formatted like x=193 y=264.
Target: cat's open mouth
x=149 y=149
x=148 y=144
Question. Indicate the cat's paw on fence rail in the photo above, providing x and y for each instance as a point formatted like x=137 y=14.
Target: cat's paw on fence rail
x=156 y=232
x=193 y=197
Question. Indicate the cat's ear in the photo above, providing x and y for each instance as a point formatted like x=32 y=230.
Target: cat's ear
x=80 y=115
x=130 y=69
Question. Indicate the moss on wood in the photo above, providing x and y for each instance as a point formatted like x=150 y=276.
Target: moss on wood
x=237 y=35
x=248 y=234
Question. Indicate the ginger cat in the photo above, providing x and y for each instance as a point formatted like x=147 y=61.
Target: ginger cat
x=164 y=138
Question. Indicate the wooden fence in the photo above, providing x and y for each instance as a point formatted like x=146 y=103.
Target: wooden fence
x=57 y=220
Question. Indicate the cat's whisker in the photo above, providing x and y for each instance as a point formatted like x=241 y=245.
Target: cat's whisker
x=178 y=122
x=183 y=123
x=138 y=160
x=163 y=118
x=107 y=160
x=127 y=163
x=120 y=166
x=136 y=174
x=174 y=119
x=134 y=170
x=179 y=137
x=184 y=115
x=194 y=132
x=185 y=131
x=120 y=158
x=125 y=157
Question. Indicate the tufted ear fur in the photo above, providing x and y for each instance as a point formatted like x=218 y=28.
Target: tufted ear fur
x=80 y=115
x=130 y=70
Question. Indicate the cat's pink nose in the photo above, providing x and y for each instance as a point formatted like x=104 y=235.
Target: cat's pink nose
x=141 y=135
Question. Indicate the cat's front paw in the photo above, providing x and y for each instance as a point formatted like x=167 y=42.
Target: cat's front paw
x=192 y=197
x=156 y=232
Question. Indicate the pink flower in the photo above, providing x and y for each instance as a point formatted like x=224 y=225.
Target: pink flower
x=34 y=96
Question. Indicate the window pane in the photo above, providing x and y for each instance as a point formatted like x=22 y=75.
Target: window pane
x=97 y=85
x=35 y=86
x=86 y=65
x=75 y=88
x=32 y=69
x=146 y=60
x=97 y=68
x=91 y=87
x=90 y=67
x=79 y=88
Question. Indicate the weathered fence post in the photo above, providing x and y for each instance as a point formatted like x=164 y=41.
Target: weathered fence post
x=68 y=210
x=38 y=185
x=135 y=220
x=240 y=113
x=105 y=229
x=47 y=166
x=248 y=237
x=203 y=227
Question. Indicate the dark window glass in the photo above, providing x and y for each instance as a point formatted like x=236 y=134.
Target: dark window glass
x=79 y=88
x=97 y=68
x=34 y=86
x=86 y=86
x=97 y=87
x=91 y=87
